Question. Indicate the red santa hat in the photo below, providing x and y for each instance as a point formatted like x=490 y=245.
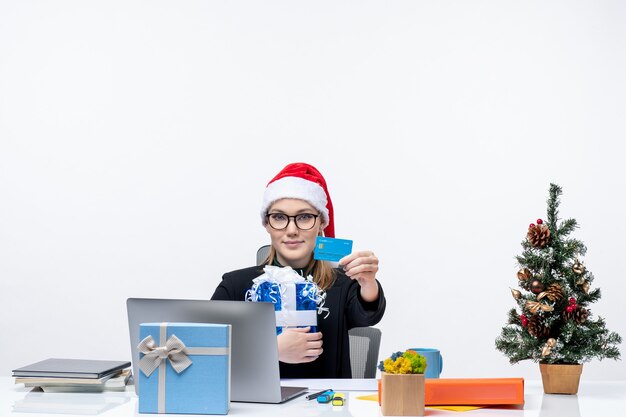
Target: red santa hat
x=304 y=182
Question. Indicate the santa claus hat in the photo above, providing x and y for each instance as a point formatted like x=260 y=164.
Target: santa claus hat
x=304 y=182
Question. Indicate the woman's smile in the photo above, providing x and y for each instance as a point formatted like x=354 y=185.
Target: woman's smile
x=293 y=244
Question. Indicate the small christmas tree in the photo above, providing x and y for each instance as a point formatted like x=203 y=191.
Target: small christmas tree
x=553 y=323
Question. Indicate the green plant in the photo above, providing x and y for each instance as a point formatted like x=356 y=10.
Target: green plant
x=407 y=362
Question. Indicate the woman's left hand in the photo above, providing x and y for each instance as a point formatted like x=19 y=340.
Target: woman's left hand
x=362 y=266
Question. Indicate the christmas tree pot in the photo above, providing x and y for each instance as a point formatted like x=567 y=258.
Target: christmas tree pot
x=560 y=379
x=402 y=394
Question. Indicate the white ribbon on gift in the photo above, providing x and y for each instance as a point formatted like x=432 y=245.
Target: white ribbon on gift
x=279 y=274
x=289 y=316
x=188 y=351
x=287 y=279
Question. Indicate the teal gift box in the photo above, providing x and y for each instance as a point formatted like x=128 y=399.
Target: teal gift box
x=184 y=368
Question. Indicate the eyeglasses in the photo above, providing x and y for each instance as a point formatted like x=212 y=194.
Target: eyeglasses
x=280 y=221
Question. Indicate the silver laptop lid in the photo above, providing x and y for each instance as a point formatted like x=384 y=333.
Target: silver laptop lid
x=255 y=376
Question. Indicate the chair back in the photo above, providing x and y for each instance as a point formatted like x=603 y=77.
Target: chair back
x=261 y=254
x=364 y=348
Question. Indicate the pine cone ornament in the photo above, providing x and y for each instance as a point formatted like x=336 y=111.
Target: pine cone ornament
x=537 y=328
x=538 y=235
x=554 y=293
x=579 y=315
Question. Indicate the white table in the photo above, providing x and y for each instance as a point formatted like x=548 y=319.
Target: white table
x=594 y=399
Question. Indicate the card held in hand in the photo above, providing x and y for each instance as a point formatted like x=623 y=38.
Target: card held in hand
x=330 y=249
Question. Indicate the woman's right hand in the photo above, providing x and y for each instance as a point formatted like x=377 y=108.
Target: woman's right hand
x=297 y=345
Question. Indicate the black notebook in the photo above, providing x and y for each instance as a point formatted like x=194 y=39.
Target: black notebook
x=71 y=368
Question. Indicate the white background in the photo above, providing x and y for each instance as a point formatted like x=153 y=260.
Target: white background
x=136 y=139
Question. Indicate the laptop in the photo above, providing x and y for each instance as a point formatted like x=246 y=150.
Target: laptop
x=255 y=376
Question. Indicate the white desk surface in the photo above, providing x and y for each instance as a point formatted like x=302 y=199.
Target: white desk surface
x=594 y=399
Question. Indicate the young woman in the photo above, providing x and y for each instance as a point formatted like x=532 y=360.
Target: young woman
x=296 y=209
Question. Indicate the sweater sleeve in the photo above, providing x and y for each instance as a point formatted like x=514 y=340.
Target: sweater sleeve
x=224 y=291
x=235 y=284
x=361 y=313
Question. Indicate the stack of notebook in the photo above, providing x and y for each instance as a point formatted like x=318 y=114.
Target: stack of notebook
x=74 y=375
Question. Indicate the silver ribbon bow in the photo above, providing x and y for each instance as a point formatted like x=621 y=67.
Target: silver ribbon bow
x=174 y=350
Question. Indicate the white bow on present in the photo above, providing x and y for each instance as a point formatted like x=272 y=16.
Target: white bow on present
x=286 y=279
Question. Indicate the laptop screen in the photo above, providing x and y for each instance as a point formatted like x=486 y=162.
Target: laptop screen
x=255 y=376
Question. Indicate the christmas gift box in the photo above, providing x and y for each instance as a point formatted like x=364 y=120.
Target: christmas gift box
x=184 y=368
x=297 y=300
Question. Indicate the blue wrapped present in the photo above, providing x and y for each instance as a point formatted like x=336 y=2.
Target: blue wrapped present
x=184 y=368
x=297 y=300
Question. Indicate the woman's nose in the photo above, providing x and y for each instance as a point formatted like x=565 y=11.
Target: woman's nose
x=292 y=229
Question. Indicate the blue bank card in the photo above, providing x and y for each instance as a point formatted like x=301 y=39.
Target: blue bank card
x=331 y=249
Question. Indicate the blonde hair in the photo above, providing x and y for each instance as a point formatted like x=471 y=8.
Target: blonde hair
x=323 y=274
